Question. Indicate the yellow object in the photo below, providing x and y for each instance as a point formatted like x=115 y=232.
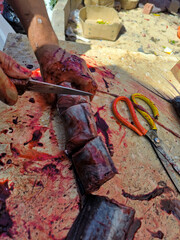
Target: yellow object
x=100 y=21
x=168 y=50
x=143 y=112
x=89 y=16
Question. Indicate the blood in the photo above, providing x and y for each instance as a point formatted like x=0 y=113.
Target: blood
x=5 y=219
x=103 y=128
x=4 y=131
x=171 y=206
x=106 y=84
x=92 y=69
x=50 y=169
x=31 y=116
x=37 y=134
x=1 y=156
x=14 y=151
x=32 y=100
x=169 y=130
x=146 y=197
x=15 y=121
x=157 y=234
x=1 y=163
x=9 y=161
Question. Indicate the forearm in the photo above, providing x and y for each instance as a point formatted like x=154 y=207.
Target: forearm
x=34 y=18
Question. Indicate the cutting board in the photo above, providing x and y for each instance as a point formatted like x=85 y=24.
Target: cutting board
x=43 y=200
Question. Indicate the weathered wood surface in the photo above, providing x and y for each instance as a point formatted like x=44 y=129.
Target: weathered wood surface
x=44 y=201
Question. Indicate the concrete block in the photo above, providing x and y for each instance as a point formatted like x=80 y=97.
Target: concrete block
x=60 y=16
x=148 y=8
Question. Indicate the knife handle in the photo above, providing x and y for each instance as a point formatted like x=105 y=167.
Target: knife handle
x=21 y=85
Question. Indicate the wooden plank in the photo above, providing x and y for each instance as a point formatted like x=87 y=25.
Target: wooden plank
x=44 y=201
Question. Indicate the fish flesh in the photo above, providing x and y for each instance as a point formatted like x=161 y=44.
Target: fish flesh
x=102 y=218
x=93 y=165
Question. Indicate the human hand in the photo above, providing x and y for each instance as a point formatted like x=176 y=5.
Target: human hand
x=9 y=67
x=59 y=66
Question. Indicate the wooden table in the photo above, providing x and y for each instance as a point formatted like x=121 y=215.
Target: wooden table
x=44 y=200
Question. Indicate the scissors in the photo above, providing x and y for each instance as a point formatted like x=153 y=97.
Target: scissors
x=168 y=163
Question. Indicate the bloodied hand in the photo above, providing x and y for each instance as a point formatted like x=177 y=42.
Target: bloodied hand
x=10 y=68
x=59 y=66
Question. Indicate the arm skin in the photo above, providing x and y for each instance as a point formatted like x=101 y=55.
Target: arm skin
x=56 y=64
x=34 y=18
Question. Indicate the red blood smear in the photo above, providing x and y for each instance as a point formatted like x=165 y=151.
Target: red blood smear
x=32 y=100
x=156 y=192
x=4 y=131
x=103 y=128
x=1 y=156
x=157 y=234
x=14 y=150
x=5 y=219
x=37 y=134
x=106 y=84
x=50 y=169
x=171 y=206
x=169 y=130
x=15 y=121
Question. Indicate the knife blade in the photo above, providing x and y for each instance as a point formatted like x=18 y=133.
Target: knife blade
x=44 y=87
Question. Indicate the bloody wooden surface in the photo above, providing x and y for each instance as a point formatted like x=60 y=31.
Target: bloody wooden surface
x=40 y=194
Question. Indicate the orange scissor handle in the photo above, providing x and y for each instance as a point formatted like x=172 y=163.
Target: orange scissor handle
x=139 y=129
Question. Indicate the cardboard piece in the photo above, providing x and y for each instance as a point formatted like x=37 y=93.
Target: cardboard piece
x=75 y=4
x=176 y=71
x=106 y=3
x=148 y=8
x=128 y=4
x=91 y=29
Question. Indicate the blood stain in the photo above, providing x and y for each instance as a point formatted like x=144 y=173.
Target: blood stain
x=103 y=128
x=37 y=134
x=157 y=234
x=32 y=100
x=92 y=69
x=31 y=116
x=142 y=197
x=9 y=161
x=171 y=206
x=15 y=121
x=4 y=131
x=106 y=84
x=14 y=150
x=5 y=219
x=50 y=169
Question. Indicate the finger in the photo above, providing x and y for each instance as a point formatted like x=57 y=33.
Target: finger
x=12 y=68
x=8 y=92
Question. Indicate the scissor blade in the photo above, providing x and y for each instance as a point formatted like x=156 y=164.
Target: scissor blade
x=44 y=87
x=175 y=178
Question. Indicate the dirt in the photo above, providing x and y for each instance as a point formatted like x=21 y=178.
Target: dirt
x=144 y=33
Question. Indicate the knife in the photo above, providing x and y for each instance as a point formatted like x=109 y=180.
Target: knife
x=44 y=87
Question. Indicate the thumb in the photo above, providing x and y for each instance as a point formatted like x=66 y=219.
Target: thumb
x=8 y=92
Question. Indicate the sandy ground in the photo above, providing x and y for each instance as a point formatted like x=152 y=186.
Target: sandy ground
x=145 y=33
